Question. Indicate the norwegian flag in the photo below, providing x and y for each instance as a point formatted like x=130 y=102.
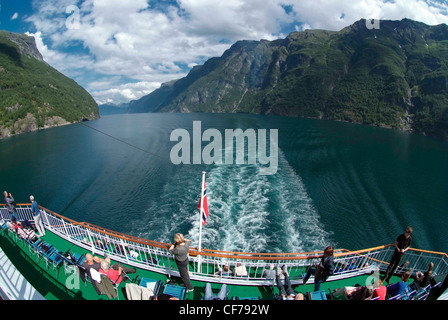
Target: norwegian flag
x=204 y=212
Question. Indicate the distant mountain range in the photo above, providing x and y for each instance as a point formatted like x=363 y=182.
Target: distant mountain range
x=395 y=76
x=34 y=95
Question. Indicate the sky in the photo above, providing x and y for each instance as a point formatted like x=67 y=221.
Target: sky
x=122 y=50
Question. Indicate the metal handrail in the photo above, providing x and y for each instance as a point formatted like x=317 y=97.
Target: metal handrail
x=154 y=256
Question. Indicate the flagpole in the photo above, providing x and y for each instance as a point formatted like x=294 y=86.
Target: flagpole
x=200 y=221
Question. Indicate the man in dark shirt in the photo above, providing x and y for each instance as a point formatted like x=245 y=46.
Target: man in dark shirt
x=402 y=244
x=92 y=262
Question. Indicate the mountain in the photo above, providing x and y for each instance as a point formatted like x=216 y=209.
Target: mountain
x=110 y=108
x=395 y=76
x=34 y=95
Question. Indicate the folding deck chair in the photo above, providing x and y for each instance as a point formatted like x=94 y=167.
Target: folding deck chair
x=317 y=295
x=175 y=291
x=154 y=285
x=100 y=280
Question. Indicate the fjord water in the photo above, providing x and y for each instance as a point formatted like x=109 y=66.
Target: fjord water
x=351 y=186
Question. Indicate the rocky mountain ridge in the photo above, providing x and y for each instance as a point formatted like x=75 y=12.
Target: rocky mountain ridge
x=395 y=76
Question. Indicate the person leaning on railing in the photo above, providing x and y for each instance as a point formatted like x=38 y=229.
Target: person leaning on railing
x=180 y=251
x=323 y=270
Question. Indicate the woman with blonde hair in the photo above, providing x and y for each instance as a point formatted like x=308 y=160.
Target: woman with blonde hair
x=180 y=251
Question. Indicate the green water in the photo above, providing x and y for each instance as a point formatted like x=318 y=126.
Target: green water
x=348 y=185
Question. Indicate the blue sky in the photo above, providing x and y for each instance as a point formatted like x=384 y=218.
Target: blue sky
x=121 y=50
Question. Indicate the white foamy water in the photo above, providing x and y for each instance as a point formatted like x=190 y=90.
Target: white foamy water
x=247 y=211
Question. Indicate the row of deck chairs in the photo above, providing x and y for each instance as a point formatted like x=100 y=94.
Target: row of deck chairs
x=36 y=245
x=52 y=256
x=412 y=293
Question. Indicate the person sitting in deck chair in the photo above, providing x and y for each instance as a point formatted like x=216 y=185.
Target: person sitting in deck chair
x=222 y=294
x=269 y=273
x=26 y=233
x=240 y=270
x=20 y=230
x=92 y=262
x=423 y=279
x=357 y=292
x=399 y=287
x=117 y=272
x=224 y=271
x=284 y=284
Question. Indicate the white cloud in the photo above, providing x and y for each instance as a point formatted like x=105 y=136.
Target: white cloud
x=142 y=43
x=235 y=19
x=66 y=63
x=111 y=92
x=15 y=16
x=326 y=14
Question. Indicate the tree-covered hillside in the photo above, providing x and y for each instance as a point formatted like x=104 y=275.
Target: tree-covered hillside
x=34 y=95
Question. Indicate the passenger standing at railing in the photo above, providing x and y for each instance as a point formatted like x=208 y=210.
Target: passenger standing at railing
x=37 y=216
x=402 y=244
x=323 y=270
x=180 y=251
x=9 y=201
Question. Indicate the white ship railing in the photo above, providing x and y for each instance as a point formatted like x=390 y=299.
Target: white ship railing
x=154 y=256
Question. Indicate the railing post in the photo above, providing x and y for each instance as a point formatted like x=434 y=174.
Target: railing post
x=91 y=241
x=43 y=214
x=65 y=228
x=124 y=250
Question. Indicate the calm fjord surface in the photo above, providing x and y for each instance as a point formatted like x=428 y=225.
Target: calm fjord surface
x=343 y=184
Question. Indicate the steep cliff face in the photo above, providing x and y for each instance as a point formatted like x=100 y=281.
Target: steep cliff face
x=394 y=76
x=34 y=95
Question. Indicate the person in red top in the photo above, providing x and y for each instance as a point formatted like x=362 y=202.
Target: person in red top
x=380 y=290
x=116 y=273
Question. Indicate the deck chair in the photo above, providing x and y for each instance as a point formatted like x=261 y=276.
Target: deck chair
x=154 y=285
x=317 y=295
x=408 y=293
x=246 y=298
x=77 y=258
x=53 y=258
x=45 y=250
x=396 y=297
x=148 y=289
x=35 y=247
x=12 y=234
x=104 y=284
x=114 y=284
x=4 y=225
x=175 y=291
x=421 y=295
x=86 y=278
